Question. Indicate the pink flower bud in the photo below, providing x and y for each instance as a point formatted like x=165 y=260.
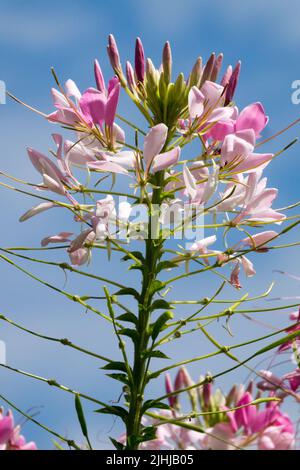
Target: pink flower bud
x=169 y=389
x=167 y=62
x=216 y=68
x=208 y=68
x=195 y=75
x=233 y=83
x=226 y=76
x=130 y=77
x=113 y=54
x=139 y=60
x=99 y=77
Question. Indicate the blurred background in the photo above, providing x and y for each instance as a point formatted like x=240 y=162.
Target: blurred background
x=69 y=35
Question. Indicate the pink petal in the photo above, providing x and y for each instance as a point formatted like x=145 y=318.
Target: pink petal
x=93 y=104
x=260 y=239
x=234 y=149
x=248 y=266
x=59 y=238
x=72 y=89
x=252 y=117
x=44 y=206
x=190 y=182
x=165 y=160
x=254 y=161
x=43 y=163
x=108 y=166
x=112 y=101
x=213 y=94
x=80 y=240
x=99 y=77
x=6 y=427
x=196 y=102
x=154 y=142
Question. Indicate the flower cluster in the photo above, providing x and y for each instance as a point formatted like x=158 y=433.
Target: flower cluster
x=225 y=422
x=225 y=179
x=10 y=437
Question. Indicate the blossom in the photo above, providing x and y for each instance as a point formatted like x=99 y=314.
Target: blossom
x=10 y=437
x=93 y=107
x=206 y=106
x=275 y=438
x=200 y=193
x=237 y=153
x=251 y=117
x=257 y=201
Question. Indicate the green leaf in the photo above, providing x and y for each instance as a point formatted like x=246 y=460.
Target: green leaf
x=160 y=323
x=114 y=410
x=156 y=353
x=118 y=445
x=155 y=404
x=119 y=377
x=166 y=265
x=128 y=316
x=156 y=286
x=152 y=375
x=160 y=304
x=115 y=365
x=130 y=333
x=148 y=434
x=129 y=291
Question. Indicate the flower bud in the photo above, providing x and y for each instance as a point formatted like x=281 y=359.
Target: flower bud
x=167 y=62
x=208 y=68
x=235 y=394
x=139 y=60
x=99 y=77
x=179 y=381
x=216 y=68
x=207 y=393
x=130 y=77
x=195 y=75
x=113 y=54
x=169 y=389
x=151 y=73
x=226 y=76
x=179 y=85
x=233 y=83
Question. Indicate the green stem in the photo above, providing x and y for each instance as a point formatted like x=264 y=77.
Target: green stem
x=141 y=364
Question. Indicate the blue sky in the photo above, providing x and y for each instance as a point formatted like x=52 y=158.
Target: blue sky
x=68 y=35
